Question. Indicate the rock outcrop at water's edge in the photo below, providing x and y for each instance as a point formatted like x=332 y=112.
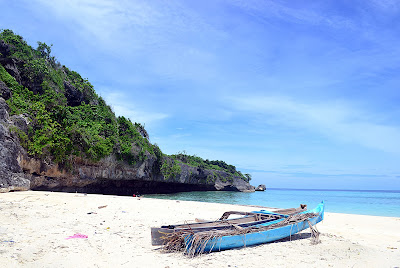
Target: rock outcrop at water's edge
x=261 y=188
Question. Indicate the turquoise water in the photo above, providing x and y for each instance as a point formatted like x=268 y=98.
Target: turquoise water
x=378 y=203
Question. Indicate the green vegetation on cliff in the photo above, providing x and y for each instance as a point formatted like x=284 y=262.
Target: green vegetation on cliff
x=67 y=119
x=195 y=161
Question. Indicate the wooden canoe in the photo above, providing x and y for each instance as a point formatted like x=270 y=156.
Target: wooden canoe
x=258 y=234
x=159 y=235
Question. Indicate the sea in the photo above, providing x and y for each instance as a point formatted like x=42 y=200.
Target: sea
x=363 y=202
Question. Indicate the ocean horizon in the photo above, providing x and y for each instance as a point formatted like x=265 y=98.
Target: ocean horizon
x=344 y=190
x=362 y=202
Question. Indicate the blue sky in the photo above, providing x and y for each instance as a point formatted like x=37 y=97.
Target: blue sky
x=300 y=94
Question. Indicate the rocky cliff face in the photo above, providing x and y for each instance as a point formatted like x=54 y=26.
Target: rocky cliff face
x=18 y=171
x=11 y=174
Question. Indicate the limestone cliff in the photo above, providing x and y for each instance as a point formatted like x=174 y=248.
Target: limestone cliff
x=18 y=171
x=57 y=134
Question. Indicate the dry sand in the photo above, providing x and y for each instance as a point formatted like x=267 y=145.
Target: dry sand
x=34 y=227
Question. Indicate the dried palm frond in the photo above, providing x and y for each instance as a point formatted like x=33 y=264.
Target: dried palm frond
x=194 y=243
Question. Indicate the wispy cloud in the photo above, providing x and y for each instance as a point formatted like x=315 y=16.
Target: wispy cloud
x=264 y=10
x=336 y=120
x=110 y=19
x=103 y=14
x=322 y=175
x=387 y=5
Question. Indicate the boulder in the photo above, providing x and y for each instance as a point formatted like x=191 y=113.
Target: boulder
x=261 y=187
x=5 y=92
x=12 y=67
x=21 y=121
x=4 y=110
x=74 y=96
x=4 y=49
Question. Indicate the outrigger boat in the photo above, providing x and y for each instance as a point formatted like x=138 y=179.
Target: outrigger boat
x=160 y=235
x=253 y=228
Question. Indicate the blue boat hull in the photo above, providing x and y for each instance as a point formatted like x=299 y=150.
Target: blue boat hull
x=256 y=238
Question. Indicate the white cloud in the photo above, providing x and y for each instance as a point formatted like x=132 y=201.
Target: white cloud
x=387 y=5
x=263 y=10
x=102 y=19
x=108 y=20
x=336 y=120
x=163 y=35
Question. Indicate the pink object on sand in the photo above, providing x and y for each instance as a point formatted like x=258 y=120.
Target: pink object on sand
x=77 y=236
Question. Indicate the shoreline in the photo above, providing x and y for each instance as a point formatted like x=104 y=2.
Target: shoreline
x=370 y=204
x=267 y=208
x=34 y=226
x=215 y=203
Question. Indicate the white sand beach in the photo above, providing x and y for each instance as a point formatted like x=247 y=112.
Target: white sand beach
x=34 y=227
